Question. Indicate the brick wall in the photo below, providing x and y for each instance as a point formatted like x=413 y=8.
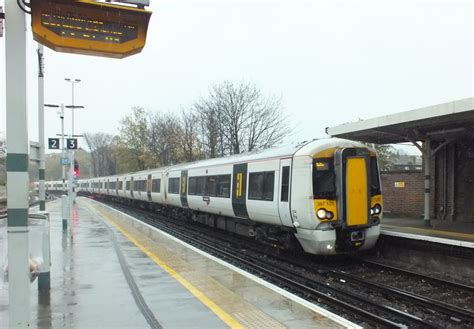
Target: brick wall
x=405 y=200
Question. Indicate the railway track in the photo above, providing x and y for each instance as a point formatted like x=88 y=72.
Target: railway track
x=361 y=300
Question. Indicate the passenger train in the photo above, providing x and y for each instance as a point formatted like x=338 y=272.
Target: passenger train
x=325 y=192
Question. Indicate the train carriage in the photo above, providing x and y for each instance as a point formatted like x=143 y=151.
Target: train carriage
x=324 y=192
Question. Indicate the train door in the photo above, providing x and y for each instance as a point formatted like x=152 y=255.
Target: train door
x=239 y=190
x=354 y=183
x=184 y=185
x=148 y=188
x=131 y=186
x=116 y=186
x=107 y=186
x=284 y=192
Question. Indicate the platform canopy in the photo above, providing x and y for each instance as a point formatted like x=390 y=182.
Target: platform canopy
x=445 y=121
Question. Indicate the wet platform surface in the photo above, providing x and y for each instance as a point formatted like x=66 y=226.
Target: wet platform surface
x=416 y=229
x=173 y=286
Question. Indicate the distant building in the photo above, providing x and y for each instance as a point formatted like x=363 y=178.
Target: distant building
x=404 y=162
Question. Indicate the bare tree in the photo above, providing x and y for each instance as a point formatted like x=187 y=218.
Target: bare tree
x=165 y=138
x=237 y=118
x=190 y=141
x=208 y=119
x=267 y=125
x=103 y=153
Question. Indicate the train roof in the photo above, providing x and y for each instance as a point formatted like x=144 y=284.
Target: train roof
x=307 y=148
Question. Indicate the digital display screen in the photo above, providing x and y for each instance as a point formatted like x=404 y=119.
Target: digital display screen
x=321 y=165
x=76 y=27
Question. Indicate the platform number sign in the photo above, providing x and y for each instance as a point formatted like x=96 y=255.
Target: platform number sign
x=72 y=143
x=53 y=143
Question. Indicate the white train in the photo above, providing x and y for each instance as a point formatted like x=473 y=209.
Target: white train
x=326 y=193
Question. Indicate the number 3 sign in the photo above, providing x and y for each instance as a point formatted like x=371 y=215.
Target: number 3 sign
x=72 y=143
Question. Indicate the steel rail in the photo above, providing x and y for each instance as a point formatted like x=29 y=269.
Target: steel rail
x=452 y=284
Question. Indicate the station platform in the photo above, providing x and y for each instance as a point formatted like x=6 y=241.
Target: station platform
x=117 y=272
x=438 y=232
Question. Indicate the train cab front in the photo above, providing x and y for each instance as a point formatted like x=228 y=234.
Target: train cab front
x=347 y=200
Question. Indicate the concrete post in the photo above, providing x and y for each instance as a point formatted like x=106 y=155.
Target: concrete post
x=17 y=166
x=427 y=165
x=42 y=194
x=44 y=278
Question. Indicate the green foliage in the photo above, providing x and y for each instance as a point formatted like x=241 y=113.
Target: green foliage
x=133 y=137
x=384 y=154
x=53 y=170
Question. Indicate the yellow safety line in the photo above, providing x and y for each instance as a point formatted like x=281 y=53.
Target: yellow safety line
x=223 y=315
x=465 y=235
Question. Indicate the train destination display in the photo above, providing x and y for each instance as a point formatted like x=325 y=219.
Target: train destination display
x=90 y=28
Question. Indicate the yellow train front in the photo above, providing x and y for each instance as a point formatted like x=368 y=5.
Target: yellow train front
x=346 y=198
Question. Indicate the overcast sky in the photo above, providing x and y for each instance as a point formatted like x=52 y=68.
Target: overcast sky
x=331 y=61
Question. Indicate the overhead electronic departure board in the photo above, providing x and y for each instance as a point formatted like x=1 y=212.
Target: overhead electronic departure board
x=89 y=28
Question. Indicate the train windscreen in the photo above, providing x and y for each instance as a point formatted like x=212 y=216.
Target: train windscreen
x=324 y=179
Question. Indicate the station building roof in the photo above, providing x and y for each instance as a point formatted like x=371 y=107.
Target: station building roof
x=450 y=120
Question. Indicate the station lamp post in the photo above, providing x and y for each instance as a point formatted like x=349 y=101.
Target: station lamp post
x=73 y=82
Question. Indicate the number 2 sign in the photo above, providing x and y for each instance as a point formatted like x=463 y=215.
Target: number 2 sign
x=53 y=143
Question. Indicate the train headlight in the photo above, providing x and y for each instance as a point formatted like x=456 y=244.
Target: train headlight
x=321 y=213
x=324 y=214
x=377 y=209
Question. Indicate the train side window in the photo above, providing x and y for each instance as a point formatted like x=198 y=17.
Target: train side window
x=261 y=185
x=223 y=186
x=173 y=185
x=256 y=186
x=201 y=185
x=137 y=185
x=120 y=185
x=211 y=186
x=127 y=185
x=285 y=183
x=268 y=186
x=156 y=185
x=192 y=186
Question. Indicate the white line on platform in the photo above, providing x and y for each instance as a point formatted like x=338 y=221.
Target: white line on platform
x=336 y=318
x=458 y=243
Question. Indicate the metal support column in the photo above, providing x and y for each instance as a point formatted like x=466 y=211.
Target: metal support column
x=427 y=167
x=42 y=198
x=70 y=191
x=17 y=166
x=63 y=167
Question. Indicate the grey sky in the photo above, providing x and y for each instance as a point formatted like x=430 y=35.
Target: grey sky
x=331 y=61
